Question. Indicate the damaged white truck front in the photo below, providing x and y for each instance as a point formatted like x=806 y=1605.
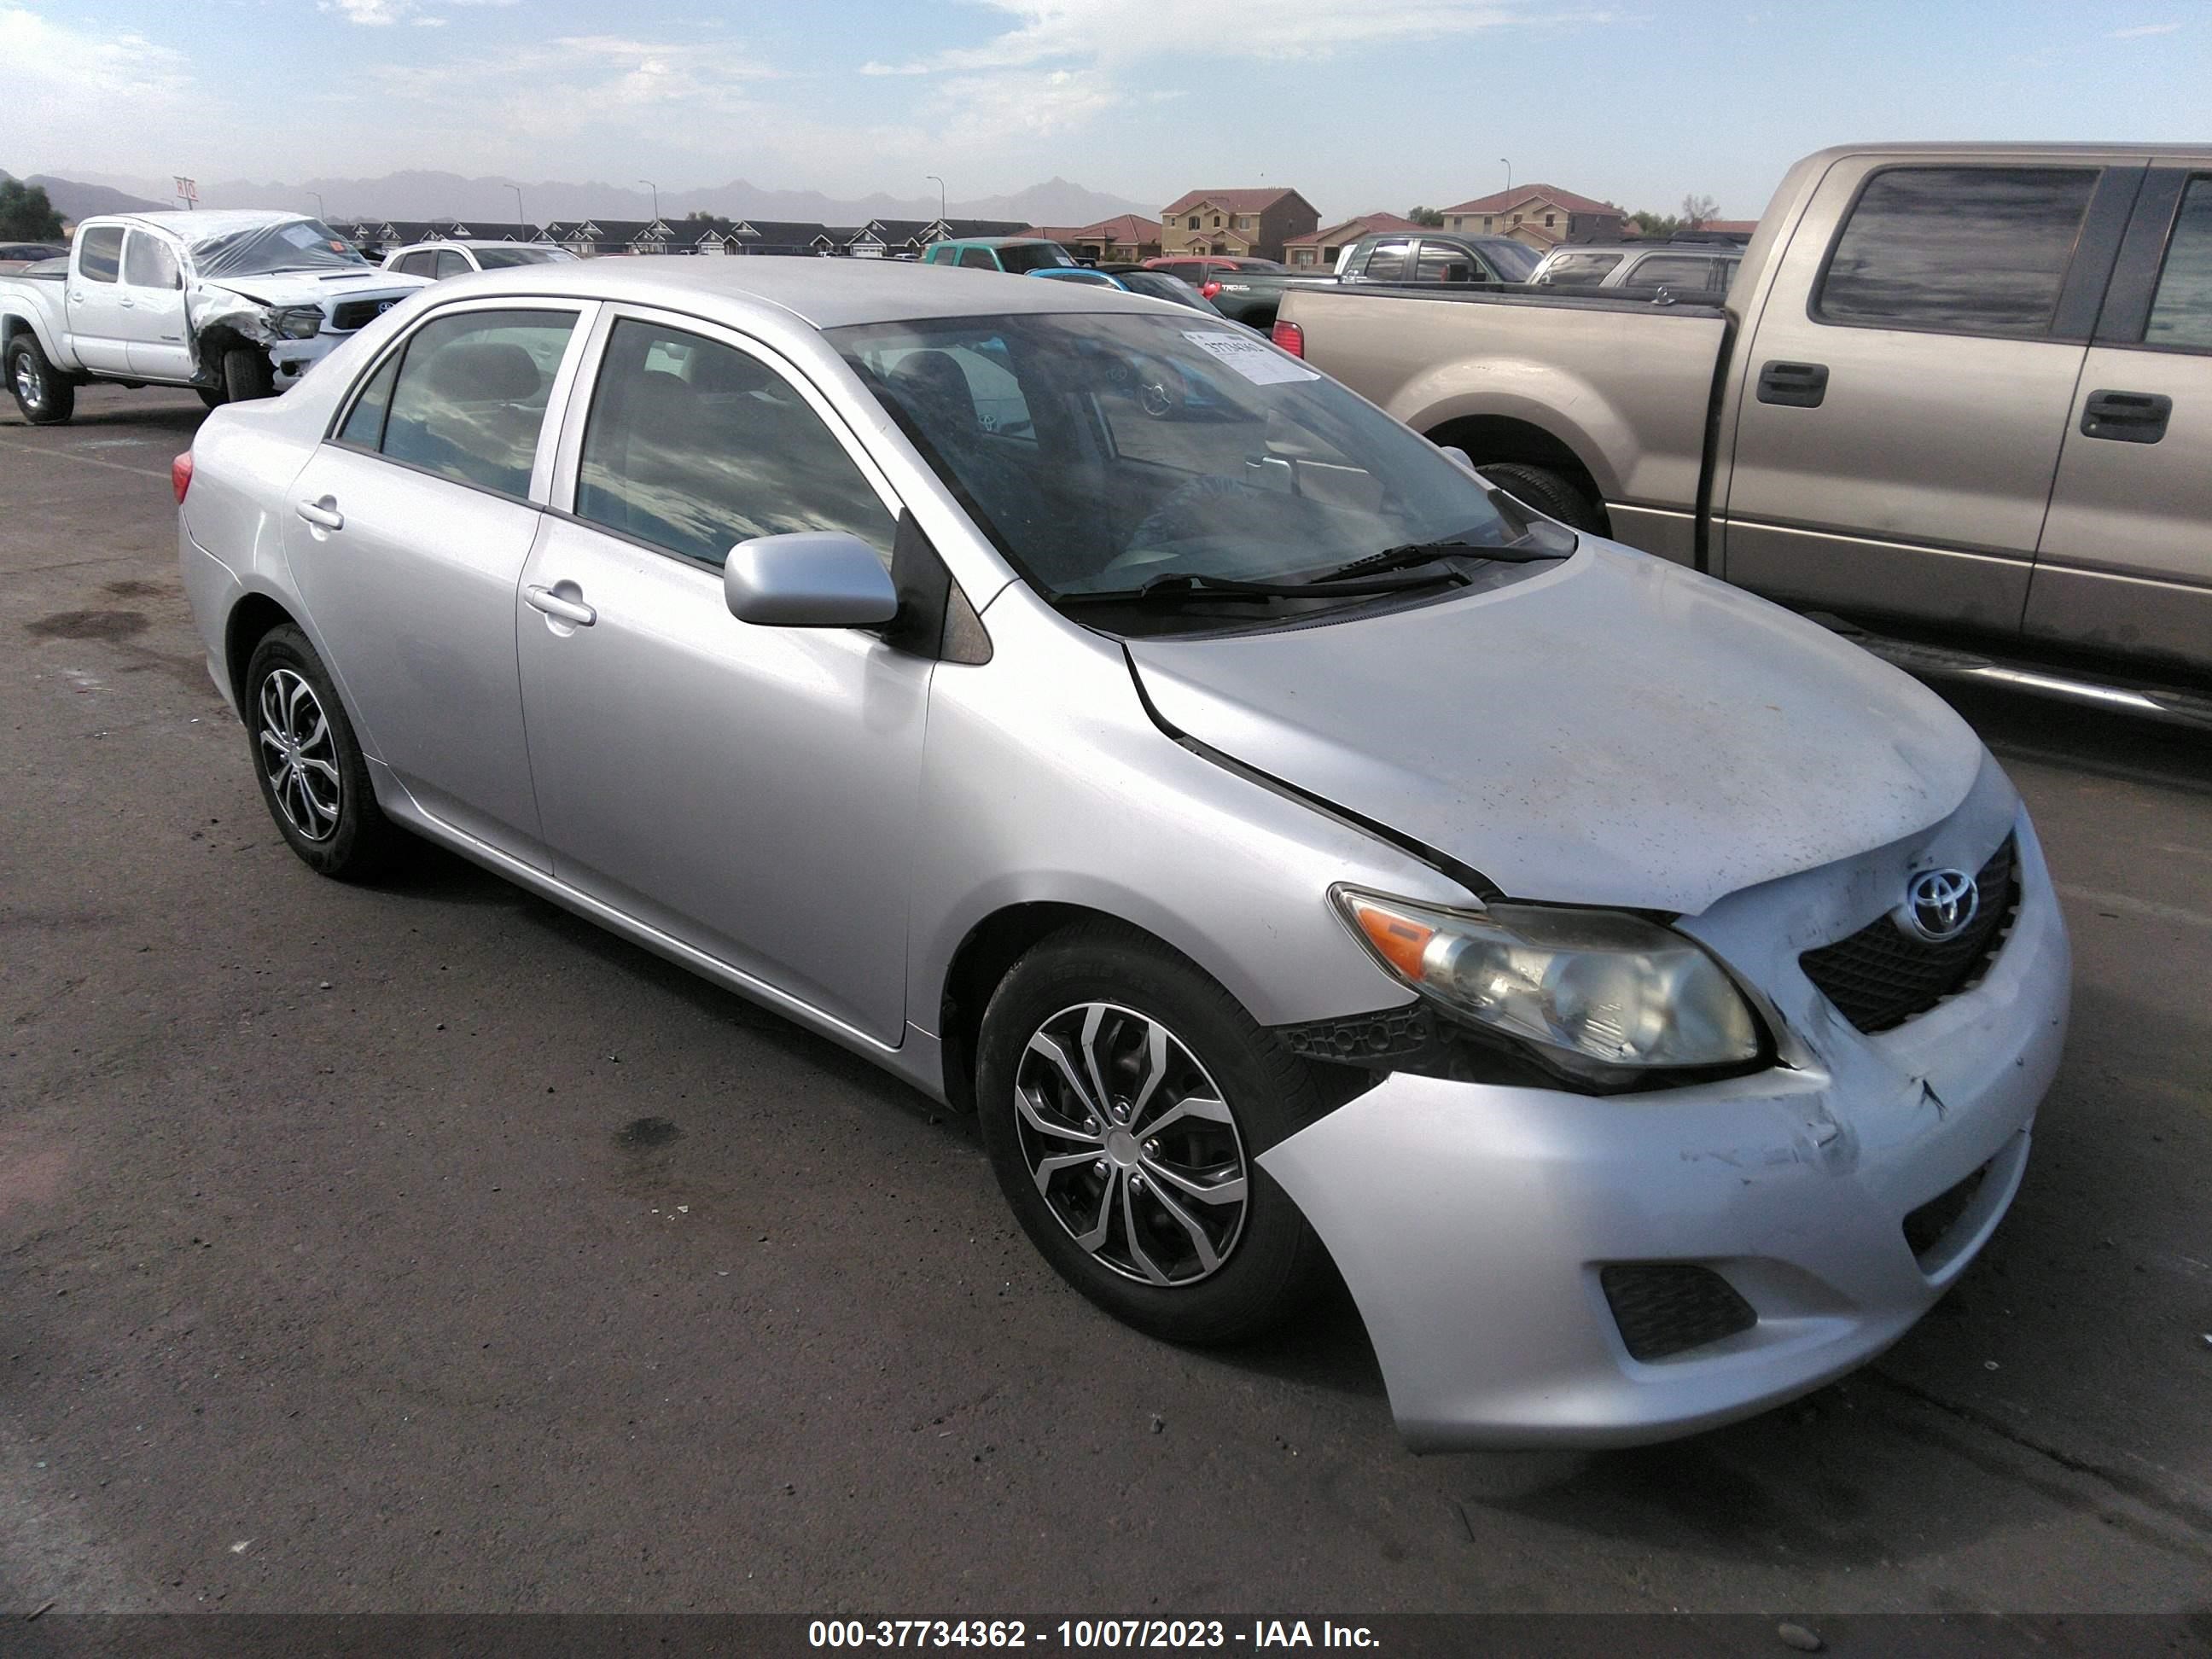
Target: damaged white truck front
x=234 y=305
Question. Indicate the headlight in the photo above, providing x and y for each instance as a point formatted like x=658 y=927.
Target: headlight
x=1586 y=986
x=297 y=322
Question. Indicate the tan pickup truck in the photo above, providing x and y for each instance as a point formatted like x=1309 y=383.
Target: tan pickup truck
x=1957 y=394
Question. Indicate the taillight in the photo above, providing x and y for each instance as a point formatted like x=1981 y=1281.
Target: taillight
x=1208 y=288
x=1290 y=337
x=180 y=475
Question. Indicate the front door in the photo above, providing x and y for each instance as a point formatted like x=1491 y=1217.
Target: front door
x=153 y=323
x=98 y=315
x=1899 y=422
x=2126 y=562
x=406 y=534
x=749 y=791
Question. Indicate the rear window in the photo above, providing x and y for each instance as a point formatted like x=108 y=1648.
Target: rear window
x=2181 y=312
x=1034 y=256
x=1959 y=250
x=1579 y=267
x=1690 y=270
x=1385 y=263
x=470 y=396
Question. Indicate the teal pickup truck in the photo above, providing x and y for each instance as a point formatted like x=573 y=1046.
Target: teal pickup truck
x=1009 y=254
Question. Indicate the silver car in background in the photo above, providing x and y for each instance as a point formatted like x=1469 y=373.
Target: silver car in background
x=1292 y=848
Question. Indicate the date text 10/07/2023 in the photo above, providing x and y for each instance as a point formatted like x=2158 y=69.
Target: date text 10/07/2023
x=1086 y=1634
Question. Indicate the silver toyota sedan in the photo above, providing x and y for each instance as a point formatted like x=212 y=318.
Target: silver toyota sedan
x=1294 y=850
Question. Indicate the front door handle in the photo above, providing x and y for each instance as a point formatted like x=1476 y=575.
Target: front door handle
x=1794 y=386
x=323 y=514
x=2126 y=417
x=575 y=611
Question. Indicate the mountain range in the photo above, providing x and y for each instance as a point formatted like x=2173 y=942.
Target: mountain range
x=428 y=195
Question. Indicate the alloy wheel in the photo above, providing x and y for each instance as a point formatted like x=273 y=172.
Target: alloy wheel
x=1131 y=1144
x=30 y=384
x=298 y=754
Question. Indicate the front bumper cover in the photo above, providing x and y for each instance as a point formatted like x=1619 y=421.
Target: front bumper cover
x=1471 y=1221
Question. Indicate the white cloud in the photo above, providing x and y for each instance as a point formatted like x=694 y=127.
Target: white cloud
x=368 y=13
x=2142 y=30
x=65 y=85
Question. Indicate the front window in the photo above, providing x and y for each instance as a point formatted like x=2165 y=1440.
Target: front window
x=1103 y=452
x=1033 y=256
x=264 y=249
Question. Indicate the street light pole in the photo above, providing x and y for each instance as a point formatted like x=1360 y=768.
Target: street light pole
x=322 y=213
x=519 y=219
x=1508 y=165
x=939 y=183
x=655 y=189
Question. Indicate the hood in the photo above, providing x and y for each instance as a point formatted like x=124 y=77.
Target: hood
x=301 y=288
x=1617 y=730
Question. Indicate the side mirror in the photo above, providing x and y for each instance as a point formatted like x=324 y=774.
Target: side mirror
x=810 y=578
x=1454 y=452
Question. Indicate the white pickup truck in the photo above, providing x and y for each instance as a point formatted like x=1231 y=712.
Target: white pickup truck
x=234 y=305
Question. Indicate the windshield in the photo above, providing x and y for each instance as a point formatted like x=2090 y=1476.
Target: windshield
x=261 y=250
x=498 y=259
x=1032 y=256
x=1102 y=451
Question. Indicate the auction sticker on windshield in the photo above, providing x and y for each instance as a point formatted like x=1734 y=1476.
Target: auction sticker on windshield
x=1251 y=357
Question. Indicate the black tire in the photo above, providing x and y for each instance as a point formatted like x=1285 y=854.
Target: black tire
x=1272 y=1264
x=1552 y=494
x=213 y=397
x=247 y=374
x=355 y=839
x=43 y=393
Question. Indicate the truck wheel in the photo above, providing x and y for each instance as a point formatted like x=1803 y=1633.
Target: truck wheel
x=41 y=392
x=1550 y=493
x=246 y=375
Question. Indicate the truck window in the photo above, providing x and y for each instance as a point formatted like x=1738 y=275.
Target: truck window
x=100 y=253
x=1440 y=262
x=1580 y=267
x=976 y=259
x=1683 y=270
x=148 y=263
x=1957 y=250
x=2181 y=311
x=1387 y=263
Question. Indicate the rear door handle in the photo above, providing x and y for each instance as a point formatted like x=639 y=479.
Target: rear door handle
x=323 y=514
x=1795 y=385
x=553 y=604
x=2126 y=417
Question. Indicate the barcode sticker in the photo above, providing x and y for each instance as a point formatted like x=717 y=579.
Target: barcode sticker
x=1251 y=357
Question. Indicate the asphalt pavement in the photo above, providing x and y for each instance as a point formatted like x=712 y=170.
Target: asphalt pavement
x=419 y=1247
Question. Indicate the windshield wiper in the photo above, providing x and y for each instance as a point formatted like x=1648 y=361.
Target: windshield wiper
x=1411 y=554
x=1182 y=589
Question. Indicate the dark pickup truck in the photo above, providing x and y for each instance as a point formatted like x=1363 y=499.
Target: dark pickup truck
x=1253 y=297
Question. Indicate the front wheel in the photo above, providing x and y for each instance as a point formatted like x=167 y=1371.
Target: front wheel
x=1125 y=1100
x=313 y=778
x=42 y=393
x=1550 y=493
x=247 y=374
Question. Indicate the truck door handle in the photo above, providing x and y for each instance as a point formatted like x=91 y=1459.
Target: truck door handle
x=554 y=604
x=323 y=514
x=1796 y=386
x=2126 y=417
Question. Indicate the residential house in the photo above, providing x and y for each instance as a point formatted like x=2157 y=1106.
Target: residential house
x=1541 y=216
x=781 y=236
x=1254 y=223
x=1123 y=240
x=1317 y=249
x=889 y=239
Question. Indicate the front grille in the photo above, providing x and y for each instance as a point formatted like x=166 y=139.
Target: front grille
x=1881 y=976
x=350 y=314
x=1664 y=1308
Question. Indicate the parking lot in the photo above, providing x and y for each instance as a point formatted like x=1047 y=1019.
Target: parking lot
x=419 y=1247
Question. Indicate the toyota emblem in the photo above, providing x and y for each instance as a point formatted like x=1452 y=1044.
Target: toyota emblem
x=1939 y=905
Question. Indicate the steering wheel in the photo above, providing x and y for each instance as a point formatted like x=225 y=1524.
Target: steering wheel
x=1169 y=521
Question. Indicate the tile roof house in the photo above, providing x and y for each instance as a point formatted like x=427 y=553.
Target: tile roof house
x=1541 y=216
x=1253 y=222
x=1123 y=239
x=1318 y=249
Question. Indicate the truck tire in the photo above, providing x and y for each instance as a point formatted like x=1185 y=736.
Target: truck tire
x=42 y=393
x=246 y=375
x=213 y=397
x=1552 y=494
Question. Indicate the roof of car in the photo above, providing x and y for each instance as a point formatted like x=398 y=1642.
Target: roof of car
x=198 y=227
x=826 y=293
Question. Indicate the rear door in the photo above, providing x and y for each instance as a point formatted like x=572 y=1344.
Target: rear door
x=2125 y=564
x=154 y=318
x=98 y=317
x=1905 y=387
x=407 y=533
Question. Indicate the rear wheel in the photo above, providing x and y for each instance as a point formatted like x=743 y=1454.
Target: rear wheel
x=1552 y=494
x=313 y=778
x=247 y=374
x=45 y=396
x=1125 y=1100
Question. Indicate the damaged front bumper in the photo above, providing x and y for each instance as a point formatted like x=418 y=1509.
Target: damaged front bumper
x=1474 y=1224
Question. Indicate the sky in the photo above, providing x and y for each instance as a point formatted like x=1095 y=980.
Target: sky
x=1361 y=104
